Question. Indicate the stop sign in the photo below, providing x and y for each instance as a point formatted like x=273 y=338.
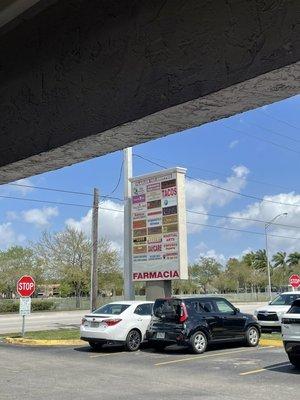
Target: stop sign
x=26 y=286
x=294 y=281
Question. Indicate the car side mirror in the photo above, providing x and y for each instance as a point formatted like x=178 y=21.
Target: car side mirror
x=269 y=302
x=237 y=310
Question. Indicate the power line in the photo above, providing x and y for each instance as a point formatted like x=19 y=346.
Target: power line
x=280 y=120
x=273 y=132
x=119 y=179
x=242 y=230
x=63 y=191
x=44 y=201
x=242 y=219
x=222 y=188
x=226 y=174
x=49 y=189
x=56 y=203
x=262 y=139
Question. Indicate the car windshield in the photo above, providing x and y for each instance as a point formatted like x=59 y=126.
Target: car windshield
x=112 y=308
x=284 y=299
x=167 y=309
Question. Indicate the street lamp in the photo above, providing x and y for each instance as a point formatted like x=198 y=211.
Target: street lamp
x=267 y=224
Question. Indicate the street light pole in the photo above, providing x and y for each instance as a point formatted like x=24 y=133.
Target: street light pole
x=267 y=224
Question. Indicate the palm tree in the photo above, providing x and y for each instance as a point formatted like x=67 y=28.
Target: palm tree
x=260 y=260
x=280 y=260
x=293 y=259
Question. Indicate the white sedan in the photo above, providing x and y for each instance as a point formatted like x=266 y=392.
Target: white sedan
x=122 y=322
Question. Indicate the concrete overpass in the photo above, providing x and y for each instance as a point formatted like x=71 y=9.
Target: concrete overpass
x=81 y=78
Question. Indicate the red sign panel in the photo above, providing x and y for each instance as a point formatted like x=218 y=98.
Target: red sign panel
x=26 y=286
x=294 y=281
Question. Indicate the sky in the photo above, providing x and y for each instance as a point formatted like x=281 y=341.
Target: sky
x=254 y=156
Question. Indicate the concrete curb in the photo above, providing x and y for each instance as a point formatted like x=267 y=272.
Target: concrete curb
x=50 y=342
x=78 y=342
x=271 y=342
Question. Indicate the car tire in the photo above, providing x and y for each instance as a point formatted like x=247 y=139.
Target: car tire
x=133 y=340
x=198 y=342
x=295 y=361
x=96 y=345
x=252 y=336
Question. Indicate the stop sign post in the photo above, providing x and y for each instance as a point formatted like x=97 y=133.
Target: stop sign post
x=25 y=288
x=294 y=281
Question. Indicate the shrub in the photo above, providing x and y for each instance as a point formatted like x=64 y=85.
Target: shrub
x=42 y=305
x=9 y=306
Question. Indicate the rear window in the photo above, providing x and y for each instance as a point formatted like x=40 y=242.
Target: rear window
x=294 y=309
x=115 y=309
x=167 y=309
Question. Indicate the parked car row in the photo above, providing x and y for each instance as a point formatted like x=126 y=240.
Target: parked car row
x=185 y=321
x=194 y=322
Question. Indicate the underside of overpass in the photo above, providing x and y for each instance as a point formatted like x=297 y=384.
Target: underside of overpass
x=81 y=78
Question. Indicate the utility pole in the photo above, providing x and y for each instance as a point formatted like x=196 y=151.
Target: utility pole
x=267 y=224
x=128 y=284
x=94 y=269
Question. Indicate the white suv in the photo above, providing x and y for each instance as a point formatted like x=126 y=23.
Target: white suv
x=269 y=316
x=291 y=333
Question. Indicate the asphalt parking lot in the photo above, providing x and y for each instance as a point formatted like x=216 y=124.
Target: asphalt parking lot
x=229 y=372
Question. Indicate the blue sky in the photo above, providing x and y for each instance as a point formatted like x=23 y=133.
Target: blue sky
x=238 y=158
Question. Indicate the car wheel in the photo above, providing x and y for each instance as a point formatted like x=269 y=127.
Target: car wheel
x=295 y=361
x=133 y=340
x=198 y=342
x=252 y=336
x=96 y=345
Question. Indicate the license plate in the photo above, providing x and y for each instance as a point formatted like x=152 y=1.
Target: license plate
x=94 y=324
x=160 y=335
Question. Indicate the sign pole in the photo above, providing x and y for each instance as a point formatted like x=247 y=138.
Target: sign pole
x=128 y=283
x=23 y=326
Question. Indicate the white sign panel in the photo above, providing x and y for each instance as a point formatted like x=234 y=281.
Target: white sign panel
x=159 y=238
x=25 y=305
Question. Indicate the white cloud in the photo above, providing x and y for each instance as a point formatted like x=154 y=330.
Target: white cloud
x=233 y=144
x=17 y=187
x=23 y=190
x=200 y=197
x=267 y=211
x=40 y=217
x=8 y=237
x=110 y=223
x=211 y=253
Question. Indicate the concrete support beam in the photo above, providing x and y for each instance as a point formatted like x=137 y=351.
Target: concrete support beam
x=158 y=289
x=82 y=78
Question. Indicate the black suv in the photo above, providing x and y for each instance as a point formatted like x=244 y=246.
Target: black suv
x=197 y=321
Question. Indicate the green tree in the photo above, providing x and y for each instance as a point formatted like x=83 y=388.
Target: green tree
x=15 y=262
x=293 y=259
x=66 y=258
x=204 y=272
x=280 y=260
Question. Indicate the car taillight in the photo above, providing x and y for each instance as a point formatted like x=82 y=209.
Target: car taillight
x=112 y=322
x=83 y=320
x=183 y=313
